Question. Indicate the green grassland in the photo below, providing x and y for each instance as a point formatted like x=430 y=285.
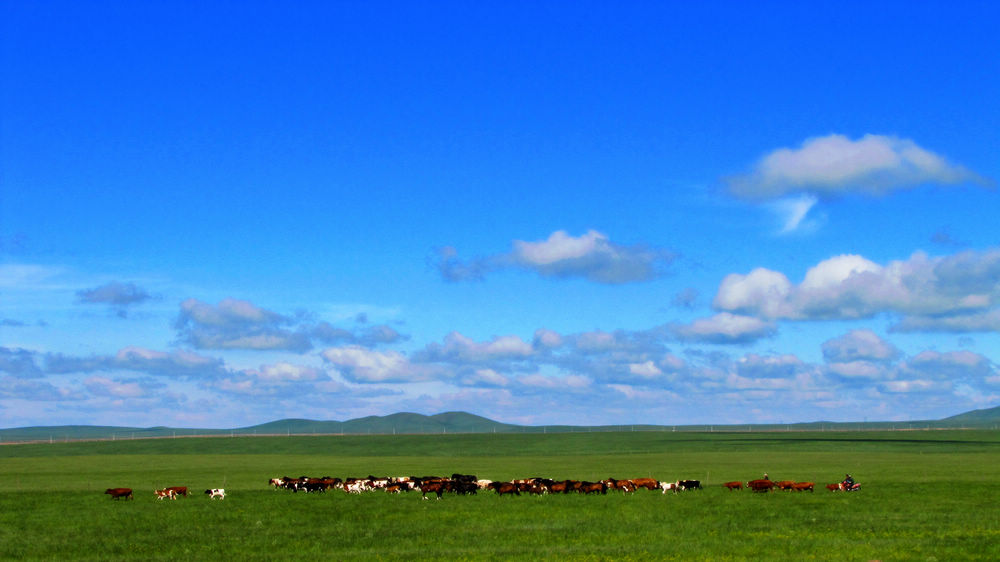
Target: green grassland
x=927 y=495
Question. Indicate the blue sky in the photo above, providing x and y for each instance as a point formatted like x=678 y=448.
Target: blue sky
x=549 y=212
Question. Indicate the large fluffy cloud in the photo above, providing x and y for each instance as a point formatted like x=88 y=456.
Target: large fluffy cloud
x=590 y=256
x=835 y=164
x=859 y=356
x=956 y=293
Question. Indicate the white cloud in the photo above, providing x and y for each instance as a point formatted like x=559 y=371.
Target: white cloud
x=485 y=377
x=860 y=370
x=547 y=339
x=568 y=382
x=950 y=365
x=835 y=164
x=360 y=365
x=725 y=327
x=237 y=324
x=761 y=292
x=937 y=291
x=282 y=372
x=460 y=348
x=859 y=345
x=102 y=386
x=644 y=369
x=792 y=211
x=119 y=296
x=590 y=256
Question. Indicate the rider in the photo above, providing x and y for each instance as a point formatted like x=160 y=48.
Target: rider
x=848 y=482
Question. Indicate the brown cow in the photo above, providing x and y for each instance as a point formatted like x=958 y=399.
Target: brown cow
x=647 y=483
x=502 y=488
x=179 y=490
x=439 y=488
x=558 y=487
x=803 y=486
x=165 y=493
x=760 y=485
x=118 y=493
x=833 y=487
x=733 y=485
x=626 y=486
x=593 y=488
x=784 y=484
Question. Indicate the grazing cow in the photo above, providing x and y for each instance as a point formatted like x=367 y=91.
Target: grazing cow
x=689 y=484
x=760 y=485
x=803 y=486
x=502 y=488
x=647 y=483
x=593 y=488
x=165 y=493
x=179 y=490
x=784 y=485
x=537 y=489
x=356 y=487
x=464 y=487
x=833 y=487
x=216 y=493
x=119 y=493
x=559 y=487
x=314 y=487
x=292 y=484
x=733 y=485
x=626 y=486
x=439 y=487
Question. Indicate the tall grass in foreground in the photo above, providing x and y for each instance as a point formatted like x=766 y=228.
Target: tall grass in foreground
x=922 y=499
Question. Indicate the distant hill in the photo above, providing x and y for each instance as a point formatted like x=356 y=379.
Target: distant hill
x=403 y=423
x=988 y=416
x=400 y=423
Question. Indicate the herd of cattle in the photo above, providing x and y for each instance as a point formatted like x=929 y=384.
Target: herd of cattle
x=465 y=484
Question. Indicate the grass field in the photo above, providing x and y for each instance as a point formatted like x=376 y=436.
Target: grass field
x=927 y=495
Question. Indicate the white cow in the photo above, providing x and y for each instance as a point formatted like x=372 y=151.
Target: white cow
x=216 y=493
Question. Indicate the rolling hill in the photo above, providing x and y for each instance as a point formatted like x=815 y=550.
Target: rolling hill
x=455 y=422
